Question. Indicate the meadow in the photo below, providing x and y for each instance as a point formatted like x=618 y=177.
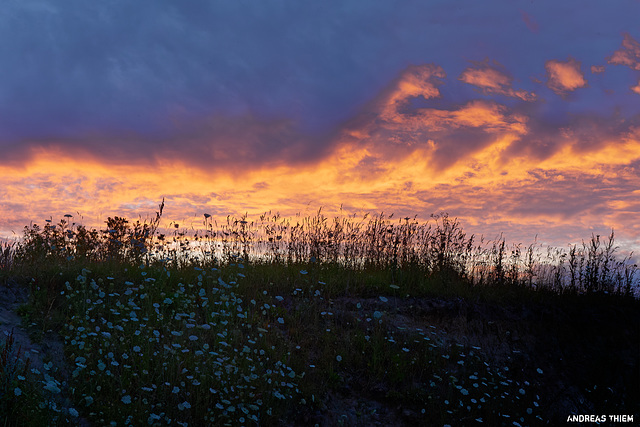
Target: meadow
x=315 y=320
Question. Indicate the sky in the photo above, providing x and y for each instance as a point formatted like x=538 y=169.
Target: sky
x=517 y=117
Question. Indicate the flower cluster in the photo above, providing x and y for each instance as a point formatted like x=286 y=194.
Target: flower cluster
x=160 y=350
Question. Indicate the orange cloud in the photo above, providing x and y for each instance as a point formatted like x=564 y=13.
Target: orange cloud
x=392 y=127
x=392 y=109
x=497 y=168
x=493 y=80
x=597 y=69
x=636 y=88
x=628 y=54
x=564 y=76
x=416 y=81
x=494 y=166
x=490 y=188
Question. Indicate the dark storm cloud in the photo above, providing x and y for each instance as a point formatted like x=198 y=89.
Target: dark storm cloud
x=78 y=66
x=229 y=144
x=75 y=69
x=234 y=144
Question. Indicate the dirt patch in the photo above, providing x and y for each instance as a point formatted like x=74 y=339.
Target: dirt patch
x=48 y=349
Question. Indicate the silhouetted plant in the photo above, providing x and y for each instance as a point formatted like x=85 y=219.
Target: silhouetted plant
x=7 y=255
x=436 y=248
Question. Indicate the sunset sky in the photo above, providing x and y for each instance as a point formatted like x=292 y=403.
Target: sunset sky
x=521 y=117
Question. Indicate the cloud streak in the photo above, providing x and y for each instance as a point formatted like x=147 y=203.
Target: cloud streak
x=492 y=79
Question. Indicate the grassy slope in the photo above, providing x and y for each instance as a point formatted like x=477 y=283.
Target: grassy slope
x=300 y=339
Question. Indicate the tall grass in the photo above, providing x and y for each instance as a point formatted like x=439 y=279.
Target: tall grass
x=238 y=322
x=407 y=247
x=372 y=243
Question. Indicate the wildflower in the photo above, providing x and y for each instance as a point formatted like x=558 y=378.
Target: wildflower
x=52 y=387
x=17 y=391
x=339 y=358
x=126 y=399
x=383 y=299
